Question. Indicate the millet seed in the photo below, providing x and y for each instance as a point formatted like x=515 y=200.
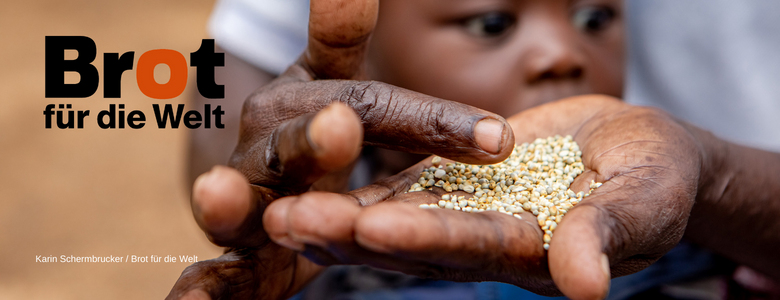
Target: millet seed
x=535 y=178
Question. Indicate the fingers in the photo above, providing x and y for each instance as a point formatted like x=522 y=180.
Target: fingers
x=338 y=37
x=446 y=244
x=229 y=210
x=301 y=150
x=271 y=272
x=306 y=148
x=336 y=135
x=310 y=146
x=577 y=264
x=390 y=186
x=196 y=295
x=448 y=237
x=407 y=121
x=391 y=117
x=315 y=218
x=221 y=202
x=198 y=281
x=611 y=233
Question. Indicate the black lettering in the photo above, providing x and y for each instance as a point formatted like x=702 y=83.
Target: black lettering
x=62 y=124
x=190 y=117
x=136 y=116
x=48 y=113
x=113 y=67
x=168 y=113
x=218 y=112
x=205 y=61
x=121 y=116
x=56 y=66
x=82 y=114
x=111 y=112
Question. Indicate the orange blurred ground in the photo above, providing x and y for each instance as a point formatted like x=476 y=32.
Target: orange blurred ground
x=92 y=191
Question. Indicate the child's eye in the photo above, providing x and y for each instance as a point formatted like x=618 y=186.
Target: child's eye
x=593 y=19
x=491 y=24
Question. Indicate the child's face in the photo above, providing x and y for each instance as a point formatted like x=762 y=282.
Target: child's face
x=500 y=55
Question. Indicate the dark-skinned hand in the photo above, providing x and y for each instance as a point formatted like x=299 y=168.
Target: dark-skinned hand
x=648 y=162
x=302 y=133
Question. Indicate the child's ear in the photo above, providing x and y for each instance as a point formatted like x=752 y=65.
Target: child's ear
x=338 y=37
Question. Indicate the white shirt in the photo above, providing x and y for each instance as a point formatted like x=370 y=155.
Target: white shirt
x=269 y=34
x=714 y=63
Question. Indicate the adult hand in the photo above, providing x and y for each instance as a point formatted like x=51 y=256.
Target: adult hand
x=301 y=133
x=649 y=164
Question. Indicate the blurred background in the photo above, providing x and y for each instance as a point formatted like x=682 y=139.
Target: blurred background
x=92 y=191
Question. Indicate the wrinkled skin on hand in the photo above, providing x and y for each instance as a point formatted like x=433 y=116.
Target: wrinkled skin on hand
x=649 y=165
x=648 y=162
x=300 y=134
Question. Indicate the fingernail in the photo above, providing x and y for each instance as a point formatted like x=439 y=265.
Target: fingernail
x=605 y=265
x=489 y=134
x=607 y=274
x=372 y=245
x=309 y=240
x=196 y=295
x=289 y=244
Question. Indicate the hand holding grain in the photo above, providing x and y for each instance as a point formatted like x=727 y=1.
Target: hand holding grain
x=649 y=165
x=301 y=133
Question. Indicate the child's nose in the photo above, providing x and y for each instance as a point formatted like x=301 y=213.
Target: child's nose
x=553 y=57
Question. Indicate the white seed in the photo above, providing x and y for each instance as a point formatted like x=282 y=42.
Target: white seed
x=535 y=178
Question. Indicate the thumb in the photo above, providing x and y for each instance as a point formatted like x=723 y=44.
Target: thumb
x=338 y=37
x=577 y=264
